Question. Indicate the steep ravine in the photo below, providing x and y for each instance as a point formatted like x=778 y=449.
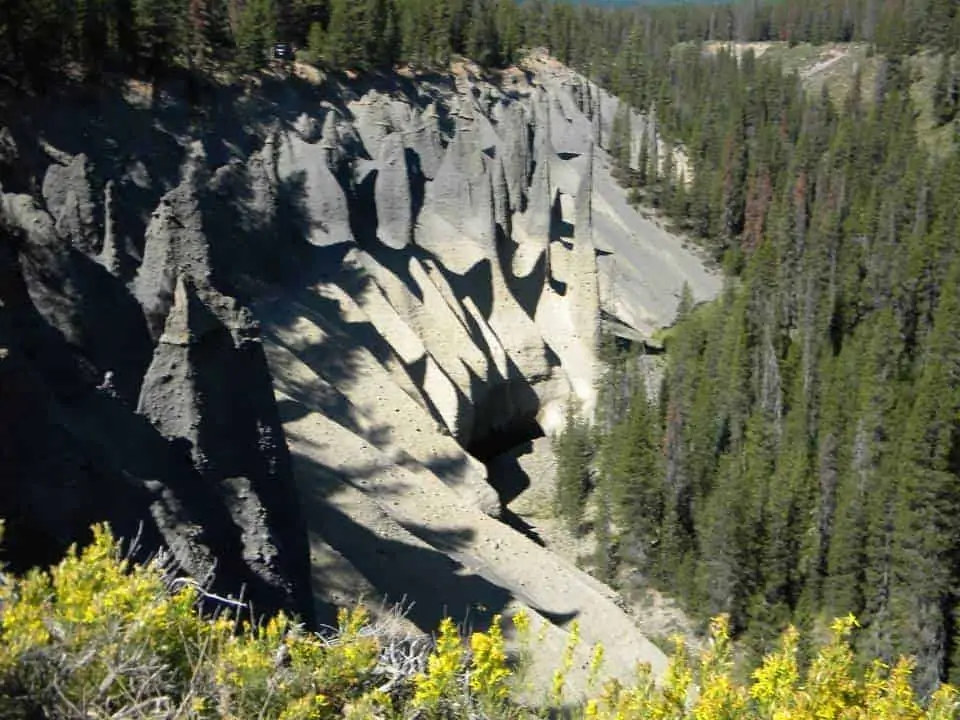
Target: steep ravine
x=285 y=333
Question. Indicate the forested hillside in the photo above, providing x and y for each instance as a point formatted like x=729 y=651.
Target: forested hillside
x=803 y=461
x=39 y=39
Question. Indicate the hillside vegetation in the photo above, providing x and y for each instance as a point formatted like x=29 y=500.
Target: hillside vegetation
x=836 y=66
x=98 y=637
x=801 y=460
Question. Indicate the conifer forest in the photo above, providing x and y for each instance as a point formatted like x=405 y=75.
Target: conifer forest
x=800 y=459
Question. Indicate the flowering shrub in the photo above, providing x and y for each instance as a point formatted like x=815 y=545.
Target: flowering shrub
x=99 y=637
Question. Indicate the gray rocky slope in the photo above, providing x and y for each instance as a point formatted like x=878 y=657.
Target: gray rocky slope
x=285 y=334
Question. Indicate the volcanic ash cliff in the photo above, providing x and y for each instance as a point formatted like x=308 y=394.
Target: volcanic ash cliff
x=285 y=333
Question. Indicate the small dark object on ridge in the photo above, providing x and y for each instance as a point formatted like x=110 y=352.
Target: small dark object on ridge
x=282 y=51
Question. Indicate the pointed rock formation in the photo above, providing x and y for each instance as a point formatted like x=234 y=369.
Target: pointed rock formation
x=583 y=203
x=9 y=160
x=175 y=245
x=565 y=133
x=318 y=194
x=45 y=259
x=69 y=198
x=515 y=149
x=393 y=194
x=113 y=255
x=596 y=124
x=501 y=197
x=330 y=141
x=190 y=393
x=423 y=138
x=462 y=193
x=533 y=232
x=91 y=309
x=540 y=202
x=372 y=121
x=586 y=293
x=401 y=115
x=308 y=128
x=53 y=486
x=262 y=178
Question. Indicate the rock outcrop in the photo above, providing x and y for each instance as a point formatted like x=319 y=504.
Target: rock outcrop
x=212 y=479
x=175 y=245
x=318 y=195
x=111 y=256
x=515 y=152
x=208 y=352
x=68 y=192
x=286 y=347
x=462 y=191
x=540 y=196
x=423 y=139
x=393 y=194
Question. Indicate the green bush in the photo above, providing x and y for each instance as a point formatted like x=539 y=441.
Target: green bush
x=99 y=637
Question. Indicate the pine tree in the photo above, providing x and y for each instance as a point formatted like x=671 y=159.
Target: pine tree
x=157 y=24
x=629 y=463
x=482 y=42
x=508 y=30
x=316 y=43
x=643 y=161
x=344 y=42
x=620 y=137
x=256 y=33
x=927 y=520
x=440 y=32
x=605 y=554
x=946 y=92
x=91 y=30
x=573 y=452
x=198 y=31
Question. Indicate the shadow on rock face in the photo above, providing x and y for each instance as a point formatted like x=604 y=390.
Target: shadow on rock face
x=209 y=385
x=74 y=451
x=528 y=289
x=434 y=578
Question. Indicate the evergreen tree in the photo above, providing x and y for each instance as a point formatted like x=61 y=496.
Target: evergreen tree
x=157 y=25
x=629 y=463
x=440 y=32
x=946 y=92
x=91 y=31
x=605 y=554
x=621 y=137
x=508 y=30
x=573 y=452
x=316 y=43
x=198 y=23
x=482 y=42
x=927 y=520
x=256 y=33
x=345 y=44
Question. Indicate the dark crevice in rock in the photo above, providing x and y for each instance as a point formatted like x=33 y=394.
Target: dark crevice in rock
x=506 y=416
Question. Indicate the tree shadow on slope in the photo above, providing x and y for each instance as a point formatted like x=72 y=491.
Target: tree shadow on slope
x=527 y=289
x=136 y=134
x=418 y=572
x=76 y=455
x=143 y=148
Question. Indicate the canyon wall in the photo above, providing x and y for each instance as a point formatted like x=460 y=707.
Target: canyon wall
x=284 y=333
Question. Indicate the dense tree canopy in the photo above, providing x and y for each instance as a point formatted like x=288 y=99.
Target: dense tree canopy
x=809 y=420
x=39 y=38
